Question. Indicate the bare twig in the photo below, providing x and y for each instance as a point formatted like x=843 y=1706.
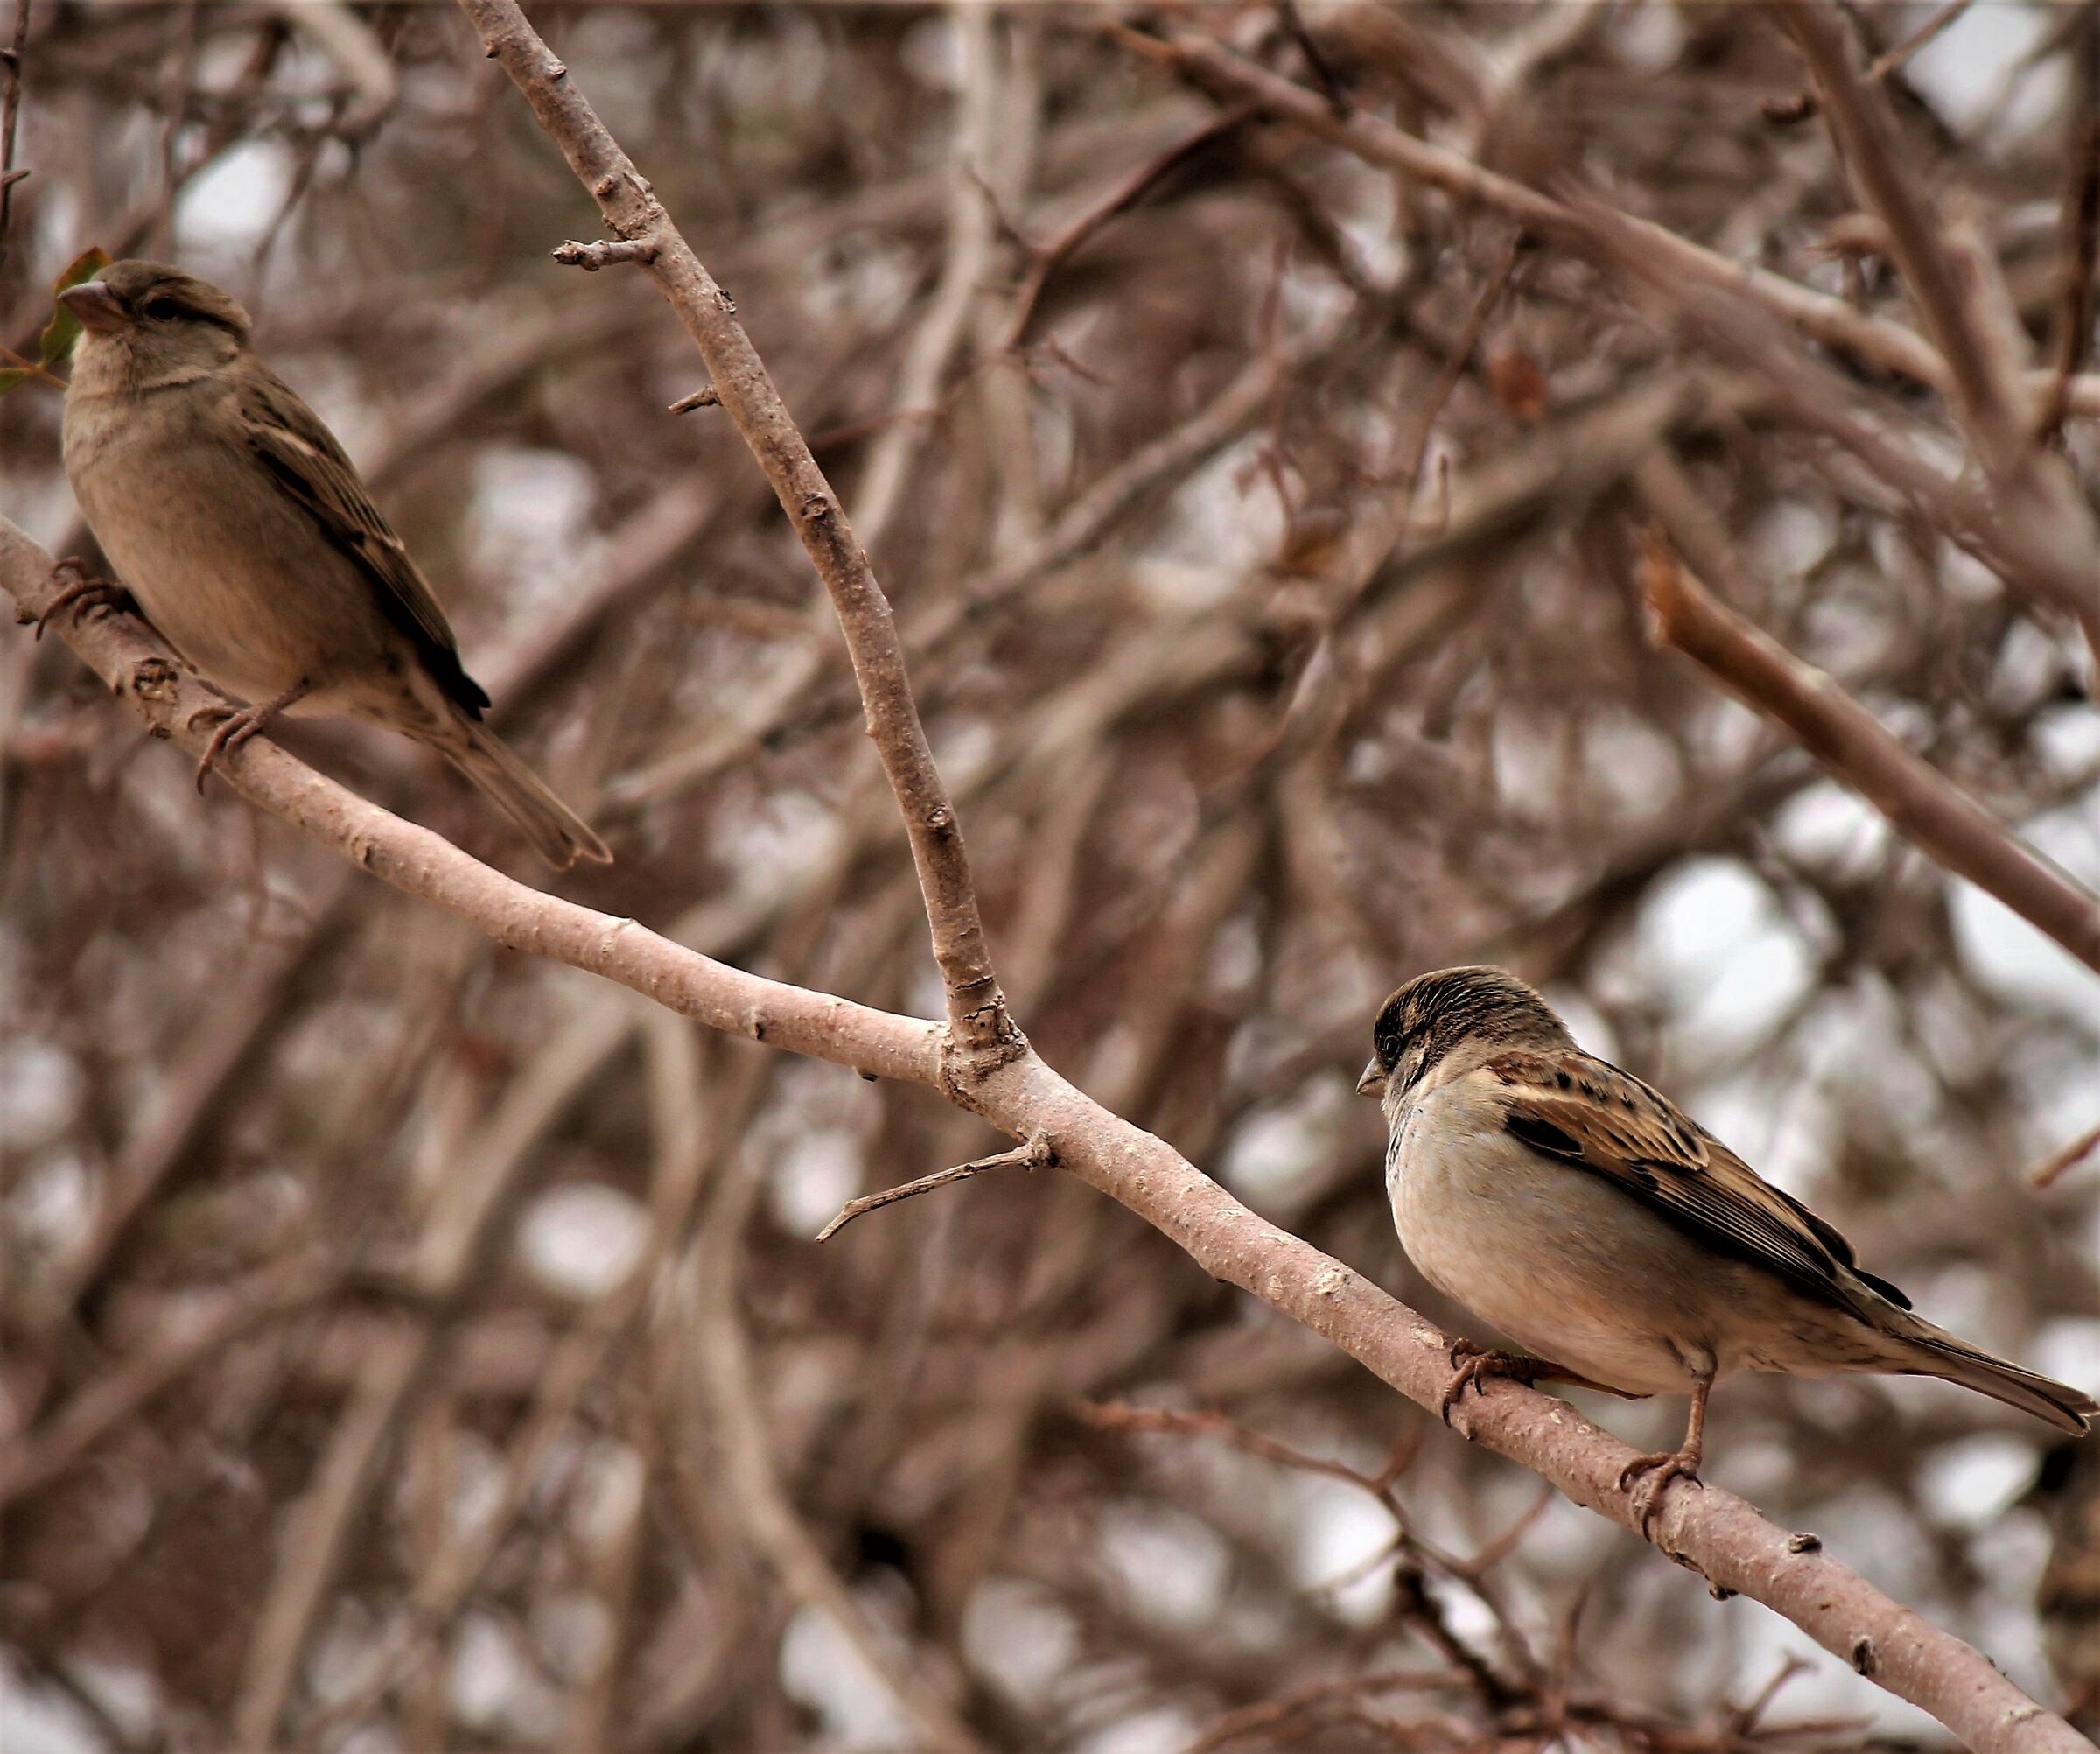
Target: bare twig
x=1724 y=1537
x=604 y=254
x=1990 y=397
x=1046 y=259
x=1454 y=365
x=982 y=1032
x=965 y=265
x=57 y=1441
x=1035 y=1154
x=1893 y=57
x=1821 y=317
x=1023 y=1096
x=1316 y=60
x=11 y=113
x=707 y=1355
x=2081 y=256
x=461 y=1228
x=1922 y=805
x=2046 y=1171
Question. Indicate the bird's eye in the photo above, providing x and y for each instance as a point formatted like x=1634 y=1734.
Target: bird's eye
x=162 y=310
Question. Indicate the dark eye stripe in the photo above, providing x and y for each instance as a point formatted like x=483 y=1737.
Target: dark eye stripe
x=167 y=306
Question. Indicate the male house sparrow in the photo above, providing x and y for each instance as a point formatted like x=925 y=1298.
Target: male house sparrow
x=1582 y=1214
x=241 y=527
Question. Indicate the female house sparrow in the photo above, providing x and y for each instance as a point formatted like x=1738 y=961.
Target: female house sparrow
x=239 y=524
x=1583 y=1215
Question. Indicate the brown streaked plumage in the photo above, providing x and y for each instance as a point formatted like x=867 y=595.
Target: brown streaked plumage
x=1579 y=1210
x=241 y=527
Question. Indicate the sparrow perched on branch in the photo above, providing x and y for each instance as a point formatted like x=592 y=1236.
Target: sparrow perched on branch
x=241 y=527
x=1581 y=1213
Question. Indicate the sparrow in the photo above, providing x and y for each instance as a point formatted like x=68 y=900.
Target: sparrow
x=1587 y=1217
x=239 y=525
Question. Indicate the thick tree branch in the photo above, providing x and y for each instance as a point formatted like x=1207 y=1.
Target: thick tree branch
x=1927 y=809
x=976 y=1012
x=1711 y=1530
x=124 y=653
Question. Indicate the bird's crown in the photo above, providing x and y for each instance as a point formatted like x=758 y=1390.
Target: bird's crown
x=1433 y=1013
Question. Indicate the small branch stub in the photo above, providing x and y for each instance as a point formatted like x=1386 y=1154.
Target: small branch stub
x=1035 y=1154
x=699 y=398
x=592 y=256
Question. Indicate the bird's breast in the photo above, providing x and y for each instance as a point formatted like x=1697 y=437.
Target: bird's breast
x=235 y=574
x=1550 y=1256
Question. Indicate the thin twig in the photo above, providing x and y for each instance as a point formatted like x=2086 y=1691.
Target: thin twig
x=1035 y=1154
x=966 y=263
x=1820 y=316
x=50 y=1447
x=1047 y=259
x=1987 y=393
x=606 y=253
x=1728 y=1539
x=1892 y=58
x=2080 y=255
x=11 y=113
x=2057 y=1162
x=1316 y=60
x=1922 y=805
x=981 y=1034
x=1122 y=1416
x=1455 y=363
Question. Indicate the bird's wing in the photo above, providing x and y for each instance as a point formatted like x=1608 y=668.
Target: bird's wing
x=302 y=455
x=1568 y=1105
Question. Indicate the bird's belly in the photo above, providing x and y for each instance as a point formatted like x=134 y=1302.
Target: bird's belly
x=242 y=586
x=1567 y=1267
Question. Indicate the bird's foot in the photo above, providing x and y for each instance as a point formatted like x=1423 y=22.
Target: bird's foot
x=238 y=725
x=1470 y=1363
x=1660 y=1468
x=85 y=587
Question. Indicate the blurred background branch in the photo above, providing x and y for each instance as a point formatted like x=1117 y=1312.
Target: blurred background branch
x=1269 y=591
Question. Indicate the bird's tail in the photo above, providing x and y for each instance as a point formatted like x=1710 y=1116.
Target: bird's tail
x=558 y=835
x=1939 y=1354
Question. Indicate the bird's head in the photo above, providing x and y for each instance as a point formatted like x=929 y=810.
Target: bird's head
x=150 y=322
x=1433 y=1013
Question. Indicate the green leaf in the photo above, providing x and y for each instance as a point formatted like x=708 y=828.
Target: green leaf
x=63 y=329
x=11 y=379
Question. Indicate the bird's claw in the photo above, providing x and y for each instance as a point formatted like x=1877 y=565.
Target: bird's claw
x=242 y=723
x=1470 y=1363
x=237 y=726
x=85 y=587
x=1660 y=1468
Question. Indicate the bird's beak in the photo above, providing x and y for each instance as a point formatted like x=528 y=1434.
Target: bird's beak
x=95 y=304
x=1372 y=1084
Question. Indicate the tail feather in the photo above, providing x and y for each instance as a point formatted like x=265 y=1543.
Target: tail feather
x=558 y=835
x=1956 y=1361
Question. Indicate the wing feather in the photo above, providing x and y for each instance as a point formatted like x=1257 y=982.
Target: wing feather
x=1581 y=1110
x=303 y=456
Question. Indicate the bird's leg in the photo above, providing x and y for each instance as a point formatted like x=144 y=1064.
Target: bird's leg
x=1471 y=1364
x=240 y=724
x=85 y=586
x=1681 y=1463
